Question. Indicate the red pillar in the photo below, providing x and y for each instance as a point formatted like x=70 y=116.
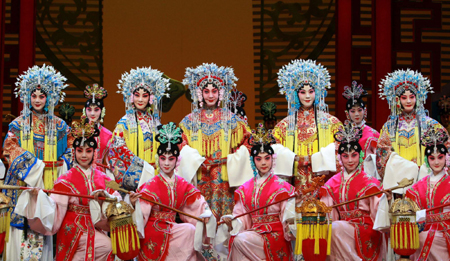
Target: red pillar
x=343 y=53
x=382 y=58
x=27 y=28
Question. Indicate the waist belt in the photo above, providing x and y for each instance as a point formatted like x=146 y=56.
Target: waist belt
x=169 y=216
x=79 y=209
x=265 y=219
x=51 y=164
x=357 y=213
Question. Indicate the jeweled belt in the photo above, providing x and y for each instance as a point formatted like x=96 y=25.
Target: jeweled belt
x=357 y=213
x=265 y=219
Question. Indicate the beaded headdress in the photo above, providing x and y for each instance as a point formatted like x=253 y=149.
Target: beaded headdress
x=398 y=82
x=348 y=135
x=295 y=75
x=46 y=79
x=169 y=136
x=95 y=95
x=150 y=80
x=434 y=140
x=198 y=78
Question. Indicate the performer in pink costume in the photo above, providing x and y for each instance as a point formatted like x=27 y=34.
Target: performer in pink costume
x=353 y=237
x=431 y=191
x=162 y=238
x=262 y=235
x=94 y=110
x=356 y=112
x=79 y=223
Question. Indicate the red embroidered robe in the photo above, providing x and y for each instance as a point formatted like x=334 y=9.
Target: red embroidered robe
x=268 y=225
x=78 y=218
x=157 y=230
x=426 y=197
x=367 y=240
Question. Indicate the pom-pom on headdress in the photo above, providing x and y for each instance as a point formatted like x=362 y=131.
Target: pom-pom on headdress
x=169 y=137
x=348 y=136
x=84 y=132
x=354 y=95
x=399 y=81
x=434 y=140
x=294 y=76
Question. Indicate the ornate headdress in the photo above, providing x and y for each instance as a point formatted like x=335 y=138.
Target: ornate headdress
x=434 y=140
x=198 y=78
x=150 y=80
x=294 y=76
x=348 y=136
x=237 y=103
x=84 y=132
x=261 y=140
x=46 y=79
x=354 y=95
x=169 y=137
x=95 y=95
x=399 y=81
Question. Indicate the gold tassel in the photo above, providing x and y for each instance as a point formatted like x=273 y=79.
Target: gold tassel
x=127 y=239
x=417 y=241
x=113 y=241
x=298 y=245
x=316 y=239
x=329 y=239
x=396 y=237
x=392 y=236
x=405 y=240
x=411 y=236
x=133 y=232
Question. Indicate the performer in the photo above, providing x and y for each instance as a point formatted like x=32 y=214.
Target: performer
x=162 y=238
x=261 y=235
x=94 y=109
x=237 y=104
x=133 y=147
x=308 y=127
x=215 y=132
x=78 y=222
x=353 y=237
x=36 y=148
x=406 y=93
x=432 y=191
x=356 y=112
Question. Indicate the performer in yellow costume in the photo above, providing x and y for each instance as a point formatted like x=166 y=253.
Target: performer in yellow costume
x=308 y=126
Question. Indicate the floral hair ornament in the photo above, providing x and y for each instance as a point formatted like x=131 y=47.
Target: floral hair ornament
x=46 y=79
x=348 y=135
x=294 y=76
x=169 y=137
x=398 y=82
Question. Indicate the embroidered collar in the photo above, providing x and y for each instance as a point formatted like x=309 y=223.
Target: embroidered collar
x=435 y=178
